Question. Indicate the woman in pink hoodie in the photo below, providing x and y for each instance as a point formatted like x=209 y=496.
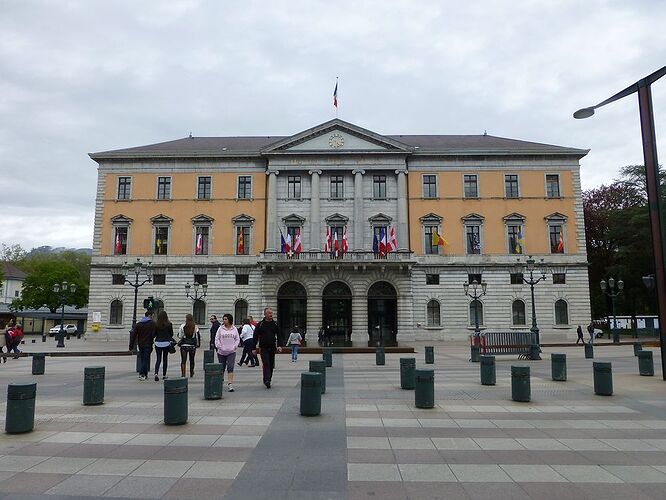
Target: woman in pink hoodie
x=226 y=342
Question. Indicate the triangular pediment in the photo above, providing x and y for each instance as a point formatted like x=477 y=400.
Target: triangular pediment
x=242 y=219
x=202 y=219
x=293 y=219
x=336 y=218
x=337 y=136
x=555 y=216
x=120 y=220
x=431 y=217
x=515 y=216
x=161 y=219
x=380 y=218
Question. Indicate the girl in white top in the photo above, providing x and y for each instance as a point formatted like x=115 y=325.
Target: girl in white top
x=247 y=337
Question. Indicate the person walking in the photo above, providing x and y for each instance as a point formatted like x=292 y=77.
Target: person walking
x=294 y=341
x=580 y=339
x=268 y=340
x=590 y=331
x=214 y=325
x=142 y=335
x=247 y=338
x=163 y=342
x=226 y=341
x=189 y=339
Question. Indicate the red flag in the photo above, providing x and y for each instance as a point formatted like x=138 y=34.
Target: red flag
x=199 y=247
x=335 y=243
x=118 y=247
x=298 y=247
x=392 y=244
x=327 y=245
x=560 y=243
x=345 y=247
x=241 y=243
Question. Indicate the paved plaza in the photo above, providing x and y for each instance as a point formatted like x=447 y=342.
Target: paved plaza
x=370 y=441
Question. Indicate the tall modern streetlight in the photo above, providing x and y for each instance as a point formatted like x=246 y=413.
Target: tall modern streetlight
x=63 y=291
x=475 y=291
x=612 y=290
x=137 y=268
x=642 y=87
x=532 y=267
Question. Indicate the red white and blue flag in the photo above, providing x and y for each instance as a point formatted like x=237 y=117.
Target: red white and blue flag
x=335 y=95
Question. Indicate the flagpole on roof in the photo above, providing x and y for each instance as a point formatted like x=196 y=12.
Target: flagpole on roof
x=335 y=97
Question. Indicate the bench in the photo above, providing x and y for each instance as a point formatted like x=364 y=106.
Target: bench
x=514 y=342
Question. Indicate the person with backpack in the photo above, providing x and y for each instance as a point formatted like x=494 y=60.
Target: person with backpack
x=164 y=342
x=142 y=335
x=226 y=342
x=189 y=339
x=268 y=340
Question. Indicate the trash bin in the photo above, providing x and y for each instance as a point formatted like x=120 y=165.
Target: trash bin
x=429 y=354
x=616 y=335
x=535 y=352
x=645 y=363
x=424 y=385
x=93 y=385
x=209 y=356
x=311 y=394
x=603 y=378
x=212 y=380
x=380 y=356
x=327 y=356
x=638 y=347
x=475 y=351
x=589 y=351
x=38 y=363
x=319 y=367
x=558 y=366
x=20 y=414
x=488 y=376
x=175 y=401
x=520 y=384
x=407 y=367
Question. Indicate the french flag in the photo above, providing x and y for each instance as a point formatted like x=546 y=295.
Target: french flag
x=335 y=95
x=382 y=241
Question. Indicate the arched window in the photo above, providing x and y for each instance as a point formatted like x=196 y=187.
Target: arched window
x=518 y=313
x=199 y=312
x=116 y=315
x=475 y=312
x=433 y=317
x=561 y=312
x=240 y=311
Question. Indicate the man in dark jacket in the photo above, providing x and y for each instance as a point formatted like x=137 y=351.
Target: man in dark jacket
x=267 y=339
x=214 y=325
x=142 y=335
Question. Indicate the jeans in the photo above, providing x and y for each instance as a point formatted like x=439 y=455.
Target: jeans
x=144 y=359
x=267 y=362
x=294 y=352
x=162 y=353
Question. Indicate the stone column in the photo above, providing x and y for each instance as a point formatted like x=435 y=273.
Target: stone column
x=315 y=215
x=359 y=315
x=271 y=212
x=401 y=233
x=358 y=209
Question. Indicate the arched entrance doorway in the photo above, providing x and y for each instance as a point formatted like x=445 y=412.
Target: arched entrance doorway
x=292 y=308
x=337 y=314
x=382 y=314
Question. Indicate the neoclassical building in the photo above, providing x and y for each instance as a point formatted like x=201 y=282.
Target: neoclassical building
x=450 y=208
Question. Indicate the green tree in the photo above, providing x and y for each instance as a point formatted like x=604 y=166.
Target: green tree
x=12 y=253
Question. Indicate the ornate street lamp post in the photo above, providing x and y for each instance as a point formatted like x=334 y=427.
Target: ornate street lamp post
x=475 y=291
x=137 y=268
x=532 y=267
x=195 y=294
x=612 y=290
x=64 y=291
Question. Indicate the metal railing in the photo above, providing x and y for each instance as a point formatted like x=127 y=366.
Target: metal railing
x=333 y=257
x=514 y=342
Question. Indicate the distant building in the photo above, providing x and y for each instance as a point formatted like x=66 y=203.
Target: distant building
x=215 y=210
x=12 y=282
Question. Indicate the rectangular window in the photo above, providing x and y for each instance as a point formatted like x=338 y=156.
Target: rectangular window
x=471 y=185
x=429 y=248
x=556 y=237
x=473 y=239
x=516 y=278
x=201 y=239
x=242 y=279
x=432 y=279
x=552 y=186
x=202 y=279
x=559 y=279
x=124 y=185
x=294 y=187
x=511 y=186
x=379 y=187
x=243 y=249
x=117 y=279
x=161 y=240
x=203 y=188
x=244 y=187
x=163 y=188
x=515 y=237
x=120 y=241
x=430 y=186
x=337 y=187
x=471 y=278
x=159 y=279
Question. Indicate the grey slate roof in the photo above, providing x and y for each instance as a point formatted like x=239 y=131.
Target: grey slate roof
x=10 y=271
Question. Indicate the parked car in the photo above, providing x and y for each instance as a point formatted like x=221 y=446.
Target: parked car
x=70 y=329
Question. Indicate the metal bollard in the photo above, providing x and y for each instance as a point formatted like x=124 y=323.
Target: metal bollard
x=424 y=393
x=638 y=347
x=20 y=414
x=535 y=352
x=603 y=378
x=616 y=336
x=380 y=356
x=475 y=353
x=520 y=384
x=209 y=356
x=407 y=367
x=319 y=367
x=311 y=394
x=213 y=380
x=38 y=363
x=429 y=354
x=488 y=370
x=645 y=364
x=93 y=385
x=558 y=367
x=327 y=356
x=175 y=401
x=589 y=351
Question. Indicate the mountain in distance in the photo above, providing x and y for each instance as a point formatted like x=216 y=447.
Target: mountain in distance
x=50 y=249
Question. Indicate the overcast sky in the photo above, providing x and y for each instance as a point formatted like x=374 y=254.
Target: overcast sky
x=84 y=76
